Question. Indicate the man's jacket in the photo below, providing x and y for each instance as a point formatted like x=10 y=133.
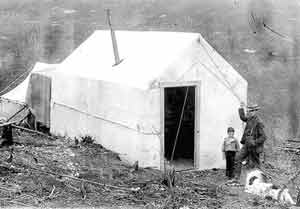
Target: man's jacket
x=254 y=129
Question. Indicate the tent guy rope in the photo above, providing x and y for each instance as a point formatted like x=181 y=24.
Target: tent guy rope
x=108 y=120
x=227 y=83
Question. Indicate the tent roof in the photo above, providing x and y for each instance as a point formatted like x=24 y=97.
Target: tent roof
x=19 y=92
x=145 y=54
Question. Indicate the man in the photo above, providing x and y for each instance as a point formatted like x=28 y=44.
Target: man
x=252 y=140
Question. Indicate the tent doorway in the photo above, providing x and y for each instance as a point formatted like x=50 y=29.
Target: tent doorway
x=179 y=126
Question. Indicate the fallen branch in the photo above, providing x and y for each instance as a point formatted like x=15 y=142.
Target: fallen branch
x=292 y=178
x=23 y=108
x=19 y=203
x=34 y=131
x=186 y=170
x=31 y=196
x=298 y=196
x=83 y=180
x=291 y=140
x=7 y=123
x=13 y=190
x=75 y=178
x=290 y=149
x=72 y=187
x=295 y=149
x=51 y=192
x=82 y=191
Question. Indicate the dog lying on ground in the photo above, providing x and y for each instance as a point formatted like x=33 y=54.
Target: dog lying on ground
x=256 y=183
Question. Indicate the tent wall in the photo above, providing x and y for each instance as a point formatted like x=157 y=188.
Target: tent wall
x=219 y=102
x=122 y=119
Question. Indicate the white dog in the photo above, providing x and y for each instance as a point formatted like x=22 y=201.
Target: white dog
x=281 y=195
x=256 y=183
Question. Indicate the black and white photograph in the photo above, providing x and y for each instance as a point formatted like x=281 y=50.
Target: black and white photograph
x=150 y=104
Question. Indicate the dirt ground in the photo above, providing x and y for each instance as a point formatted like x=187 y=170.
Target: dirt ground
x=44 y=173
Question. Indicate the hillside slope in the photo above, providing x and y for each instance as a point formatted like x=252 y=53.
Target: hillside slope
x=40 y=173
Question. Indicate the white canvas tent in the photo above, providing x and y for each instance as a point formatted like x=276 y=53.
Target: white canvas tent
x=125 y=107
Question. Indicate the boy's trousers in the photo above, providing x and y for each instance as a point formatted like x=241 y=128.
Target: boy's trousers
x=230 y=156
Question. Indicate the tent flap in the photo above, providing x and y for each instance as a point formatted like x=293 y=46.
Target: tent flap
x=38 y=97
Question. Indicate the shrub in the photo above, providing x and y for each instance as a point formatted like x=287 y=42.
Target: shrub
x=87 y=139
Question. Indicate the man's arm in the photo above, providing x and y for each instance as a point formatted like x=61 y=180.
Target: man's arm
x=242 y=114
x=261 y=134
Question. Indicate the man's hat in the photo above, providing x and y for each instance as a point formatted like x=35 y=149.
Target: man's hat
x=253 y=107
x=230 y=129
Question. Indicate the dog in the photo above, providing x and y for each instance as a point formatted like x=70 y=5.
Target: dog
x=281 y=195
x=256 y=183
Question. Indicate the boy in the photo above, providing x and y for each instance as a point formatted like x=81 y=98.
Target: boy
x=229 y=148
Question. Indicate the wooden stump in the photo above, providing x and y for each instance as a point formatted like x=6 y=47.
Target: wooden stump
x=169 y=178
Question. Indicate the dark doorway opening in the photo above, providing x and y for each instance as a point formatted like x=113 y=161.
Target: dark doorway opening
x=175 y=97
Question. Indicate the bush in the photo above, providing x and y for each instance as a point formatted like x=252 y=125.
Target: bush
x=87 y=139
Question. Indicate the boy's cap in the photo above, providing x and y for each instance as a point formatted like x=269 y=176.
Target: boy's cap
x=230 y=129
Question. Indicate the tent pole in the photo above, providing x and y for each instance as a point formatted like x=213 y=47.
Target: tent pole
x=113 y=39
